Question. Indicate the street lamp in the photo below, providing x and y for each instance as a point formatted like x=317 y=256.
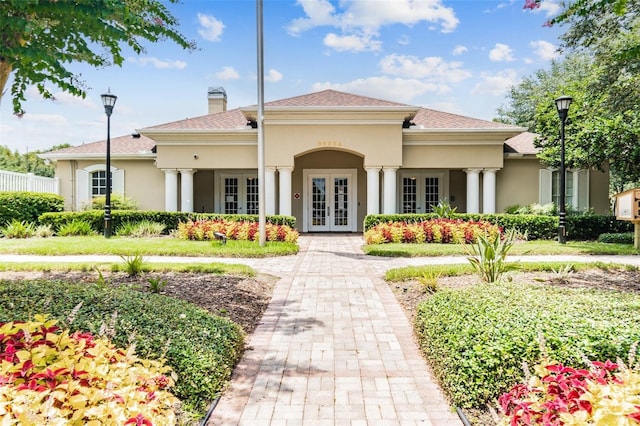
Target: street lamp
x=108 y=100
x=562 y=105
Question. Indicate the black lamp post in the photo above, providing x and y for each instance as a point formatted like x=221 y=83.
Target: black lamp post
x=562 y=104
x=108 y=100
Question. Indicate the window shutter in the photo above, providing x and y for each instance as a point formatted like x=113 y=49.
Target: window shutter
x=117 y=177
x=83 y=194
x=582 y=190
x=544 y=186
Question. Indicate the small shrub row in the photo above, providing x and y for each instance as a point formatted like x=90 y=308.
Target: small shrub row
x=201 y=230
x=169 y=219
x=477 y=338
x=536 y=227
x=117 y=201
x=27 y=206
x=201 y=348
x=430 y=231
x=623 y=238
x=605 y=393
x=53 y=376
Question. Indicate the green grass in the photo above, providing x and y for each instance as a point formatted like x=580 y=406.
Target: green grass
x=538 y=247
x=122 y=246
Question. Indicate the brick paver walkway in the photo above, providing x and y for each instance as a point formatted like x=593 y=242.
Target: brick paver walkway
x=334 y=348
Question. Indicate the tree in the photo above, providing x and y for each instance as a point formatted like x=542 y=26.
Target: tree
x=29 y=162
x=40 y=38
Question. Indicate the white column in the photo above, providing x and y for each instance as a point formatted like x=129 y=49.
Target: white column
x=186 y=190
x=489 y=190
x=373 y=190
x=285 y=190
x=473 y=190
x=170 y=190
x=390 y=185
x=270 y=190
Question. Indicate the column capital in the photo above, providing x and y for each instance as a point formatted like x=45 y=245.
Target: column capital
x=390 y=168
x=491 y=170
x=473 y=170
x=170 y=171
x=270 y=168
x=373 y=168
x=187 y=170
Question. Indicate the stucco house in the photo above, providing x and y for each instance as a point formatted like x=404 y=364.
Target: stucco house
x=330 y=158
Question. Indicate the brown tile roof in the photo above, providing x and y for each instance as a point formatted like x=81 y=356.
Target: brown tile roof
x=432 y=119
x=332 y=98
x=120 y=145
x=521 y=144
x=232 y=119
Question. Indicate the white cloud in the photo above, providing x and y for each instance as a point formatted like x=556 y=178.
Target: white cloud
x=549 y=7
x=501 y=53
x=459 y=50
x=159 y=63
x=397 y=89
x=431 y=67
x=360 y=20
x=351 y=43
x=495 y=84
x=227 y=73
x=544 y=50
x=61 y=97
x=209 y=27
x=273 y=76
x=54 y=120
x=404 y=40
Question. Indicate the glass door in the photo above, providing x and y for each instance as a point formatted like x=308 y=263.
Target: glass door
x=330 y=206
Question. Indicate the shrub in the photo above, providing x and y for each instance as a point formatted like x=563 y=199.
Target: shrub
x=624 y=238
x=44 y=231
x=27 y=206
x=142 y=229
x=488 y=256
x=49 y=373
x=606 y=393
x=201 y=230
x=118 y=202
x=133 y=264
x=76 y=228
x=17 y=229
x=477 y=338
x=201 y=348
x=429 y=231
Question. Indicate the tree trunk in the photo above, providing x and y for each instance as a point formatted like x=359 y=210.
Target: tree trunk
x=5 y=72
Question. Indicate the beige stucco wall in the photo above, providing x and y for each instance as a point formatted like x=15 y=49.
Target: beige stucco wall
x=599 y=191
x=207 y=157
x=143 y=182
x=457 y=156
x=517 y=183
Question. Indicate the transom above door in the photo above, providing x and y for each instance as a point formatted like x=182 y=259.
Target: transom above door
x=330 y=200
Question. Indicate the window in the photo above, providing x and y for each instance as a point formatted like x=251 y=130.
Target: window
x=99 y=183
x=576 y=188
x=92 y=182
x=421 y=191
x=568 y=186
x=239 y=194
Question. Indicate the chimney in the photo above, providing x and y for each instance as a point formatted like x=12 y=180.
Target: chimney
x=217 y=98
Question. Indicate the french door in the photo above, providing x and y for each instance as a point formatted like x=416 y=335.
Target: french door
x=421 y=191
x=239 y=194
x=330 y=201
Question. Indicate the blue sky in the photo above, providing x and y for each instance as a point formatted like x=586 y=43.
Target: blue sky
x=458 y=56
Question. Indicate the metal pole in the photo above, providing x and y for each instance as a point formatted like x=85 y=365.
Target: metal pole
x=107 y=197
x=262 y=227
x=562 y=223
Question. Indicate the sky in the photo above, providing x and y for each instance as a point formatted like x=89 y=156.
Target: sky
x=458 y=56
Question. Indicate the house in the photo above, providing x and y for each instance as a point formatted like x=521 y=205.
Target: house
x=330 y=159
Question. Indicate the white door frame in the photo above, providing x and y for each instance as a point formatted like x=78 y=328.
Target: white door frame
x=352 y=213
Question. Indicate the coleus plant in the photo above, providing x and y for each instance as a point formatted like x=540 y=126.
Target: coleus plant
x=51 y=376
x=605 y=394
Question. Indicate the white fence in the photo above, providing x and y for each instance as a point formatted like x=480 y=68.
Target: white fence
x=12 y=181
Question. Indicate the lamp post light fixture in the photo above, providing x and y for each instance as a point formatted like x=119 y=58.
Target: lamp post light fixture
x=562 y=105
x=108 y=100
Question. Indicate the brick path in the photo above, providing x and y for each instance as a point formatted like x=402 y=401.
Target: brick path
x=334 y=348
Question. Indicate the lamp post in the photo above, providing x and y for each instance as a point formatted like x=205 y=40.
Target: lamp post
x=108 y=100
x=562 y=105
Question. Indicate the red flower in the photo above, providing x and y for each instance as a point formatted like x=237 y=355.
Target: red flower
x=139 y=420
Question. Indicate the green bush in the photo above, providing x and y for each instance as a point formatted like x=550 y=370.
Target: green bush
x=477 y=338
x=624 y=238
x=201 y=348
x=27 y=206
x=75 y=228
x=17 y=229
x=118 y=202
x=169 y=219
x=142 y=229
x=488 y=256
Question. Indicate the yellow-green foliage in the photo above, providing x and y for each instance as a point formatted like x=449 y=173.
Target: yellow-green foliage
x=200 y=230
x=49 y=376
x=430 y=231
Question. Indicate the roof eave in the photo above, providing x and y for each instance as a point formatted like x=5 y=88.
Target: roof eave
x=97 y=156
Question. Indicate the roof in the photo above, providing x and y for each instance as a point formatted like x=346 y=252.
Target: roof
x=233 y=119
x=332 y=98
x=121 y=145
x=432 y=119
x=521 y=144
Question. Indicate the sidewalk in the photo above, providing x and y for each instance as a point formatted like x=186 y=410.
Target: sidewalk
x=334 y=348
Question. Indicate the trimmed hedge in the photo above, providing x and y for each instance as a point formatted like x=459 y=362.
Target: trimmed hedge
x=201 y=348
x=169 y=219
x=477 y=338
x=27 y=206
x=538 y=227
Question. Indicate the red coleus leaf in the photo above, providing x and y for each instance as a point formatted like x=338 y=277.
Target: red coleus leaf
x=139 y=420
x=635 y=416
x=32 y=385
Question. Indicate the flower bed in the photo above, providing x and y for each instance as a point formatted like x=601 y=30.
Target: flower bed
x=445 y=231
x=201 y=230
x=51 y=376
